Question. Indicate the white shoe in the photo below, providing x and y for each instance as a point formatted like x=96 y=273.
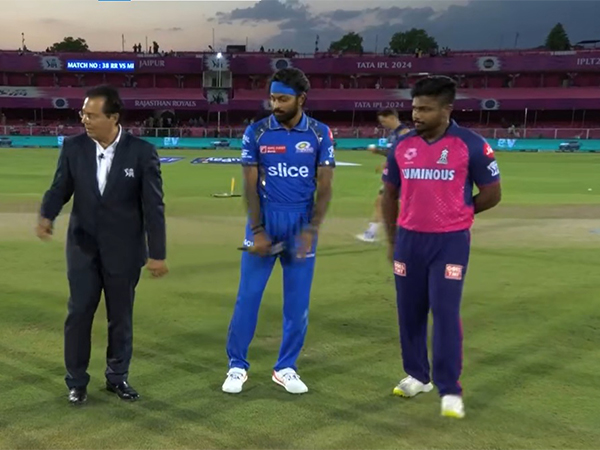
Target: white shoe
x=366 y=237
x=290 y=380
x=235 y=380
x=409 y=387
x=453 y=406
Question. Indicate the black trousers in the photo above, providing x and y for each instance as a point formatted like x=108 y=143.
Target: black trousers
x=87 y=280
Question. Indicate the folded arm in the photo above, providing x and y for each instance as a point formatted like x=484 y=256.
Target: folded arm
x=488 y=197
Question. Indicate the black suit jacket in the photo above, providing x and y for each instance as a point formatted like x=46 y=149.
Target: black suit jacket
x=125 y=224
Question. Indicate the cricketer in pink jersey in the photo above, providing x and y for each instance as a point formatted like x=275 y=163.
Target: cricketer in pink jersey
x=431 y=173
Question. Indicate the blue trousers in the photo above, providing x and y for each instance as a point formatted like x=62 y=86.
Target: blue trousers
x=282 y=223
x=430 y=270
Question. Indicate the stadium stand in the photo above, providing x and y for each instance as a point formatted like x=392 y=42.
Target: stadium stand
x=525 y=93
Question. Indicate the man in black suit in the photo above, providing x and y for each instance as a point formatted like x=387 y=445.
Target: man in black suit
x=117 y=224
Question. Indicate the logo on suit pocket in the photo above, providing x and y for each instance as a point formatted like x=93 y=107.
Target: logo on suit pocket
x=129 y=173
x=454 y=272
x=399 y=269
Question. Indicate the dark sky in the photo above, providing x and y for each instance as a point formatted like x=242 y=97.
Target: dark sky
x=191 y=25
x=475 y=24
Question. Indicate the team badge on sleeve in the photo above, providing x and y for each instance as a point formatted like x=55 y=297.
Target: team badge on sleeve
x=493 y=168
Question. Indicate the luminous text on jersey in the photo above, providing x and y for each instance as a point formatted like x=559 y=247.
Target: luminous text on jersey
x=285 y=171
x=428 y=174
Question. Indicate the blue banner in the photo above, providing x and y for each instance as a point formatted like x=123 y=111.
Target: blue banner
x=82 y=65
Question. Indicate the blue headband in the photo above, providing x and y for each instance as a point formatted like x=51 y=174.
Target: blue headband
x=277 y=87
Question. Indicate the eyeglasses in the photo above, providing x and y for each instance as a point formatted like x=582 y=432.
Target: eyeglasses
x=88 y=116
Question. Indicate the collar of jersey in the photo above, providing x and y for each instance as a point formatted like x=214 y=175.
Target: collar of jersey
x=451 y=127
x=275 y=125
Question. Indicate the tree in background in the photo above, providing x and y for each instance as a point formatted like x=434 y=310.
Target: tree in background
x=70 y=45
x=351 y=42
x=412 y=40
x=558 y=39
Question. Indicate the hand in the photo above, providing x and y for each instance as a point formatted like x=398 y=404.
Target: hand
x=372 y=148
x=262 y=244
x=43 y=230
x=305 y=243
x=157 y=267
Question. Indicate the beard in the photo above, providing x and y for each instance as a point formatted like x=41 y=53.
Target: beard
x=286 y=116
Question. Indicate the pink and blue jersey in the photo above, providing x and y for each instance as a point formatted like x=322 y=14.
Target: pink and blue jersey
x=436 y=179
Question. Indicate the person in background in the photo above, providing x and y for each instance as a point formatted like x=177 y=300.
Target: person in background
x=388 y=119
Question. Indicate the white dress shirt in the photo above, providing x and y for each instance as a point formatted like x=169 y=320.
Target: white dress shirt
x=104 y=158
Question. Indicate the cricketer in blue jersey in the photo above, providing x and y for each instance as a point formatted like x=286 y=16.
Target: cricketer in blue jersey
x=288 y=161
x=388 y=119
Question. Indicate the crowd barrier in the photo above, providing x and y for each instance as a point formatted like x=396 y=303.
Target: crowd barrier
x=514 y=145
x=339 y=132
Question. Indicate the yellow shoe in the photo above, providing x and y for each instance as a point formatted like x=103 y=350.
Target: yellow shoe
x=453 y=406
x=409 y=387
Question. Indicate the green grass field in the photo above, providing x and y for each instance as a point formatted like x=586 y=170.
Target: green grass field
x=530 y=312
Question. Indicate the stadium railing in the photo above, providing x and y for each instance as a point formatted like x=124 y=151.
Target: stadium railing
x=338 y=132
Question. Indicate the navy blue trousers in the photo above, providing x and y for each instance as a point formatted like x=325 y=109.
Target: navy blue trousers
x=282 y=223
x=430 y=269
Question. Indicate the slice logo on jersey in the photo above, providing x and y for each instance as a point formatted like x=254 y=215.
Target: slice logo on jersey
x=443 y=157
x=269 y=149
x=304 y=147
x=411 y=153
x=493 y=168
x=489 y=151
x=454 y=272
x=284 y=171
x=399 y=268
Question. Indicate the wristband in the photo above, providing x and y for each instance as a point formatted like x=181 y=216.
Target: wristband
x=258 y=229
